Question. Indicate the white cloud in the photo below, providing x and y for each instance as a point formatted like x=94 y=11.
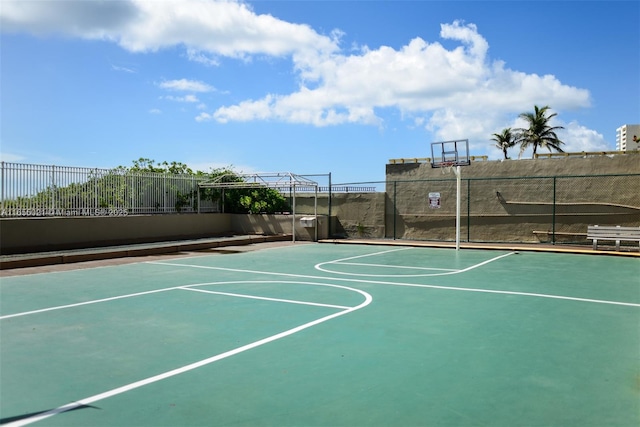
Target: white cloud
x=225 y=27
x=186 y=86
x=155 y=111
x=87 y=19
x=197 y=56
x=578 y=138
x=186 y=98
x=123 y=69
x=457 y=92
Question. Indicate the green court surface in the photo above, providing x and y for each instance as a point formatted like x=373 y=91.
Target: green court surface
x=326 y=335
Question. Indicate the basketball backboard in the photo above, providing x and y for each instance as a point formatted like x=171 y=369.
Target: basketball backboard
x=450 y=153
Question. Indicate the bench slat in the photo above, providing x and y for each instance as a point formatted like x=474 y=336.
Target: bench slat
x=615 y=233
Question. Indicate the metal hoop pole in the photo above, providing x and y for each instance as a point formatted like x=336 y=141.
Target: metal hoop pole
x=458 y=182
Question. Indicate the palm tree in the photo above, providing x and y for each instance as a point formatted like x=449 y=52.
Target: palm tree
x=539 y=133
x=504 y=141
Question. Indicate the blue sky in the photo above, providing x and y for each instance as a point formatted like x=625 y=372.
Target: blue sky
x=309 y=87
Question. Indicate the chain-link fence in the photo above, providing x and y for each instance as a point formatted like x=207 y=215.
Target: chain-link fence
x=520 y=209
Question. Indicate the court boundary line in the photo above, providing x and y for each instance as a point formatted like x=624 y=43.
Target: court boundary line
x=207 y=361
x=78 y=304
x=416 y=285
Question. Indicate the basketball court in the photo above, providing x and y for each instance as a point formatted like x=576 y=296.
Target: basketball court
x=325 y=334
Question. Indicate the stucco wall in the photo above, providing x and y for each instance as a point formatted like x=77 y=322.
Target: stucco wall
x=19 y=235
x=528 y=199
x=600 y=165
x=279 y=224
x=352 y=214
x=23 y=235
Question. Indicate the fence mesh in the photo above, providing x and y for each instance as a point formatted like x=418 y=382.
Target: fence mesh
x=518 y=209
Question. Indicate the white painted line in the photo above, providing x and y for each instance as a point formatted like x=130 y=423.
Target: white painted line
x=366 y=255
x=395 y=266
x=449 y=272
x=60 y=307
x=123 y=389
x=264 y=298
x=415 y=285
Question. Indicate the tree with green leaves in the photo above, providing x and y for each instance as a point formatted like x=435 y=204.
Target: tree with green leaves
x=504 y=140
x=540 y=133
x=148 y=165
x=239 y=200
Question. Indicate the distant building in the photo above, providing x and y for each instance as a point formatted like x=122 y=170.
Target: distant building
x=628 y=138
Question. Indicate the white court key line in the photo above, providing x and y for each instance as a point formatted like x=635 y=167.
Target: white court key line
x=412 y=285
x=119 y=390
x=365 y=255
x=319 y=267
x=288 y=301
x=395 y=266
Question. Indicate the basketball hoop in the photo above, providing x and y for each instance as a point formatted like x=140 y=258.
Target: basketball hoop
x=446 y=167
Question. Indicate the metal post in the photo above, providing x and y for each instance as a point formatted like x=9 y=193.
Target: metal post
x=458 y=181
x=293 y=215
x=468 y=210
x=53 y=187
x=2 y=184
x=394 y=209
x=315 y=212
x=553 y=219
x=329 y=203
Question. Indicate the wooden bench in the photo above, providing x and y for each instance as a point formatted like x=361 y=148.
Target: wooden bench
x=613 y=233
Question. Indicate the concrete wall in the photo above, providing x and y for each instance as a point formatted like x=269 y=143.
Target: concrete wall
x=24 y=235
x=279 y=224
x=601 y=165
x=352 y=214
x=510 y=210
x=21 y=235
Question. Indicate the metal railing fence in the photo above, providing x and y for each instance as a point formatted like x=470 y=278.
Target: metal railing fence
x=554 y=209
x=28 y=190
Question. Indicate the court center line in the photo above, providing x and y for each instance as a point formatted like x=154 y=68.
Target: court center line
x=264 y=298
x=123 y=389
x=415 y=285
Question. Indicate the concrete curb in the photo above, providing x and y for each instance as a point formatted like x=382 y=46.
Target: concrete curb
x=94 y=254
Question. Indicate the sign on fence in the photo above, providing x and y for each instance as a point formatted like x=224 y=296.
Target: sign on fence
x=434 y=200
